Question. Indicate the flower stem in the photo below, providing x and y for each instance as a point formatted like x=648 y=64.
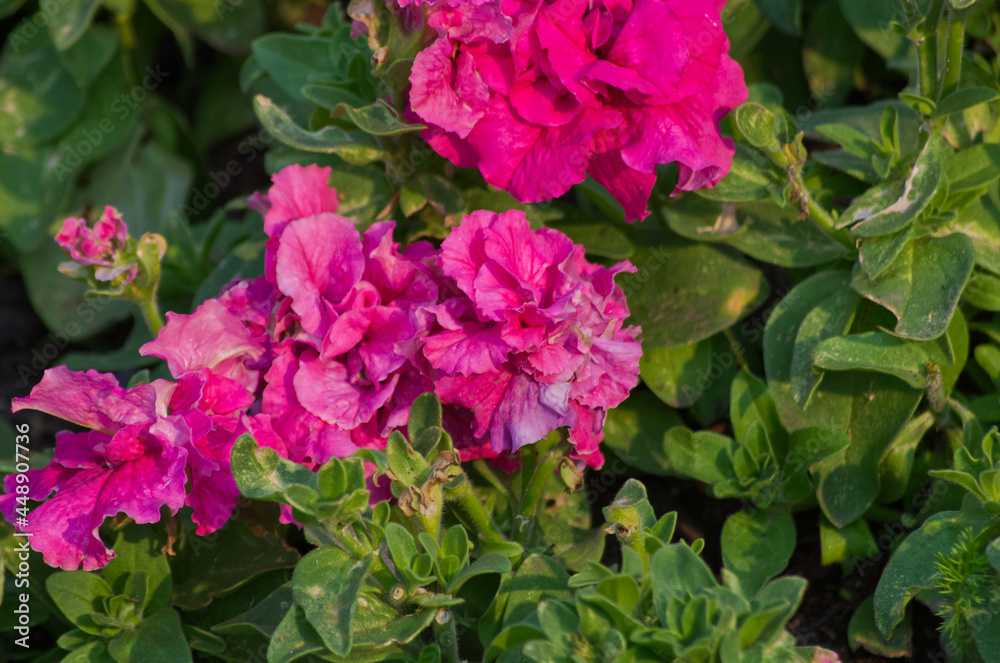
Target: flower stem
x=817 y=213
x=475 y=510
x=446 y=636
x=955 y=26
x=532 y=495
x=487 y=473
x=927 y=52
x=151 y=313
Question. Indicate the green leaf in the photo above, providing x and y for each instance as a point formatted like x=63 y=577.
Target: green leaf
x=757 y=545
x=326 y=584
x=511 y=639
x=603 y=240
x=785 y=14
x=95 y=651
x=354 y=147
x=923 y=285
x=871 y=20
x=137 y=549
x=808 y=446
x=635 y=432
x=749 y=177
x=745 y=27
x=831 y=53
x=538 y=578
x=424 y=427
x=293 y=61
x=752 y=402
x=874 y=351
x=265 y=617
x=756 y=123
x=487 y=564
x=921 y=185
x=157 y=638
x=775 y=235
x=983 y=291
x=966 y=98
x=912 y=566
x=261 y=474
x=876 y=254
x=703 y=455
x=974 y=167
x=862 y=632
x=677 y=572
x=897 y=464
x=830 y=318
x=380 y=119
x=674 y=374
x=88 y=57
x=980 y=220
x=149 y=186
x=844 y=544
x=853 y=140
x=205 y=641
x=206 y=567
x=685 y=291
x=70 y=21
x=376 y=623
x=38 y=95
x=848 y=482
x=294 y=638
x=77 y=593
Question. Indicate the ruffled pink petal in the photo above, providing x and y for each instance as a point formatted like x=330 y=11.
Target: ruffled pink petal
x=211 y=338
x=89 y=399
x=528 y=412
x=298 y=192
x=326 y=389
x=447 y=92
x=319 y=260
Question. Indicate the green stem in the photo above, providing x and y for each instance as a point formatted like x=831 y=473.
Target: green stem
x=379 y=570
x=637 y=542
x=484 y=469
x=817 y=213
x=532 y=495
x=431 y=523
x=151 y=314
x=927 y=52
x=953 y=51
x=446 y=636
x=475 y=510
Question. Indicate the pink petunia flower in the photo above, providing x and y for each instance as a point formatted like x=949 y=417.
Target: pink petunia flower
x=144 y=446
x=533 y=338
x=606 y=89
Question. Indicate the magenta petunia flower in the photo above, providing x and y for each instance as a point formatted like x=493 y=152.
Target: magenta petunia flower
x=144 y=446
x=606 y=89
x=533 y=338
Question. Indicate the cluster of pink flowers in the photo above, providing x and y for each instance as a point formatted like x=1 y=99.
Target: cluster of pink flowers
x=538 y=94
x=515 y=331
